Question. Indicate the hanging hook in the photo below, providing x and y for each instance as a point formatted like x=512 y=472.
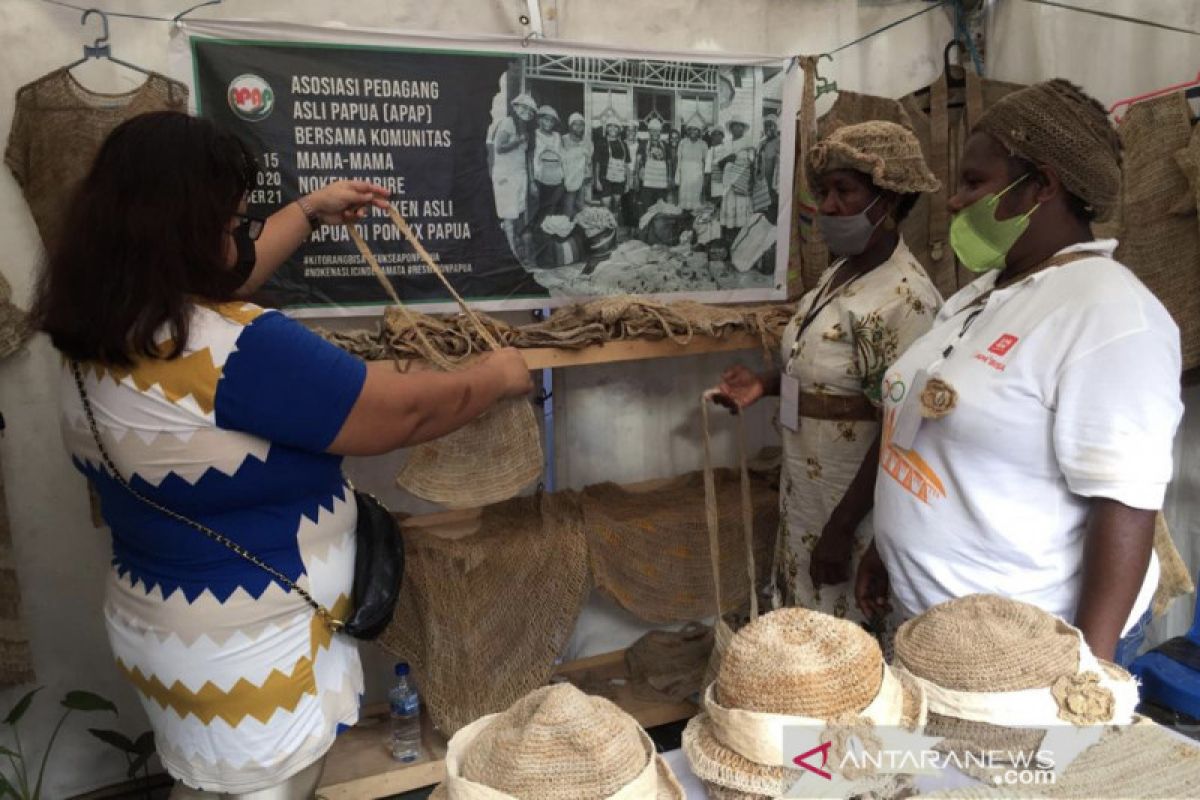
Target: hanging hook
x=103 y=40
x=824 y=85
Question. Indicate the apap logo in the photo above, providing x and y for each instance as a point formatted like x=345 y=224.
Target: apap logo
x=251 y=98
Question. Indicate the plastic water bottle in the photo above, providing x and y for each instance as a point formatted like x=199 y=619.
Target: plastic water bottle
x=405 y=705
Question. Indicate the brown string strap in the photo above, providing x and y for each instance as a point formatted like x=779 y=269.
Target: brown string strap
x=711 y=511
x=431 y=353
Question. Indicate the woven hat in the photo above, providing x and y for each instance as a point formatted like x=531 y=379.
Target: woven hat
x=654 y=125
x=575 y=117
x=889 y=154
x=548 y=111
x=1141 y=762
x=556 y=743
x=736 y=119
x=1057 y=124
x=525 y=99
x=1005 y=676
x=801 y=670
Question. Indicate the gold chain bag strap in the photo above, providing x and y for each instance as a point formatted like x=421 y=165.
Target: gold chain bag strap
x=723 y=633
x=378 y=562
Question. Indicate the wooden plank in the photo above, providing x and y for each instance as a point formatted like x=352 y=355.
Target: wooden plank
x=360 y=767
x=633 y=350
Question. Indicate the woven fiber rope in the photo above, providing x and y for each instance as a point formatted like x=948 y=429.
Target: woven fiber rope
x=488 y=460
x=448 y=341
x=482 y=618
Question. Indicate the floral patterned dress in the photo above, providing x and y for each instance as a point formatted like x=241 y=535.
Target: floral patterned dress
x=845 y=351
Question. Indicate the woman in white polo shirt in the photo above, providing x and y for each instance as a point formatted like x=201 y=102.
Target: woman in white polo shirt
x=1027 y=437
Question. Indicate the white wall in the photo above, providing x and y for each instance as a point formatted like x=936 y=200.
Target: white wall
x=621 y=422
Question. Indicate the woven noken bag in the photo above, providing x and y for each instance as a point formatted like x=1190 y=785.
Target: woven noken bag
x=488 y=460
x=985 y=644
x=556 y=743
x=648 y=549
x=483 y=617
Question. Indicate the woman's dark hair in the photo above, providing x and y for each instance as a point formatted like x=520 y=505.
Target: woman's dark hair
x=905 y=205
x=143 y=236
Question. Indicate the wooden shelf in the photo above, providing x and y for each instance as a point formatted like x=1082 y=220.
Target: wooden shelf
x=359 y=766
x=633 y=350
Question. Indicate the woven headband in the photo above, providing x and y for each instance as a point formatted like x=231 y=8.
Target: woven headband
x=758 y=736
x=1073 y=710
x=643 y=787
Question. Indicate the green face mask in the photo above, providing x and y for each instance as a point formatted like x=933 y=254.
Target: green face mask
x=979 y=239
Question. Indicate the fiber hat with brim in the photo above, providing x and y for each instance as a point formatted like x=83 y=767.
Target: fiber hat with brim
x=525 y=100
x=547 y=111
x=887 y=153
x=797 y=671
x=1004 y=676
x=556 y=743
x=575 y=117
x=1056 y=124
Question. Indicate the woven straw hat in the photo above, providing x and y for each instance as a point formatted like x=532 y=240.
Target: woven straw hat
x=556 y=743
x=887 y=153
x=1142 y=762
x=1056 y=123
x=792 y=667
x=1001 y=675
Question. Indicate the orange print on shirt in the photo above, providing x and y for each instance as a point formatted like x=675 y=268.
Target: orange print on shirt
x=906 y=467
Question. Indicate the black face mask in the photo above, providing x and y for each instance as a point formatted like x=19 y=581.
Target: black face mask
x=246 y=254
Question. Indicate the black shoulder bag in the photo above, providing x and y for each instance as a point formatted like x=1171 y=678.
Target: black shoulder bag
x=378 y=558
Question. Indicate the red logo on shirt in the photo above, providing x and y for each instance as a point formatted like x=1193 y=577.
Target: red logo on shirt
x=1002 y=345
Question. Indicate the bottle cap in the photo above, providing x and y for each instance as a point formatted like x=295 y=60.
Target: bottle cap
x=401 y=668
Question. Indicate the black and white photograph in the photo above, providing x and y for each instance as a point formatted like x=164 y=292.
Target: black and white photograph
x=625 y=175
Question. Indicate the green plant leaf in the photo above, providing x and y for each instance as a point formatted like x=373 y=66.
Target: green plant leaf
x=4 y=751
x=145 y=744
x=18 y=711
x=116 y=739
x=6 y=788
x=86 y=701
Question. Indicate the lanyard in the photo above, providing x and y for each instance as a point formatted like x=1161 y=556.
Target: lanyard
x=819 y=304
x=979 y=304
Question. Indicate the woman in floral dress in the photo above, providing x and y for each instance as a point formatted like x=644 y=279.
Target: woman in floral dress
x=864 y=311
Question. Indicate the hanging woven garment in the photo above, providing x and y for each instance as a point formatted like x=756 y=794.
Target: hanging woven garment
x=488 y=603
x=1160 y=239
x=14 y=327
x=16 y=664
x=486 y=461
x=942 y=117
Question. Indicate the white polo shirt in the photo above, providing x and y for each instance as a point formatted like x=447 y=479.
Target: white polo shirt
x=1068 y=389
